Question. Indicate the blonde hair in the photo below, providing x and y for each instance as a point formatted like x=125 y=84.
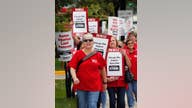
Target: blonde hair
x=115 y=40
x=87 y=36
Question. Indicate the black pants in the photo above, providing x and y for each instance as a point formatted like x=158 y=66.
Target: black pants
x=99 y=101
x=68 y=82
x=120 y=93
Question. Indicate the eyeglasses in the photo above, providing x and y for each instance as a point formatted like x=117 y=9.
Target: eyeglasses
x=86 y=40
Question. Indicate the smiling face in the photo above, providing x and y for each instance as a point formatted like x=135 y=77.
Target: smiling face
x=88 y=41
x=132 y=36
x=113 y=43
x=130 y=44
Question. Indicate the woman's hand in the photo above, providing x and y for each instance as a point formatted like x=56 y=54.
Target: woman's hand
x=104 y=86
x=110 y=79
x=127 y=60
x=76 y=81
x=123 y=52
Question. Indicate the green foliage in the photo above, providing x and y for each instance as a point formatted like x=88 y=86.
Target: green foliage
x=60 y=3
x=61 y=20
x=132 y=5
x=96 y=9
x=101 y=10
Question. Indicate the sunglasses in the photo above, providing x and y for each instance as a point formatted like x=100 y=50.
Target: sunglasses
x=86 y=40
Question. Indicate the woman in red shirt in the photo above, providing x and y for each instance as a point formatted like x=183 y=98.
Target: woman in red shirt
x=90 y=75
x=132 y=85
x=132 y=36
x=116 y=84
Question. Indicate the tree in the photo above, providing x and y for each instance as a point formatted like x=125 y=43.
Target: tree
x=96 y=9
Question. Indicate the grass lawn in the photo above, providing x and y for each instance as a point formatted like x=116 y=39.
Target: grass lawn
x=59 y=65
x=61 y=100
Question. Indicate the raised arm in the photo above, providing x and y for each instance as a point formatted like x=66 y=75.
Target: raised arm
x=127 y=60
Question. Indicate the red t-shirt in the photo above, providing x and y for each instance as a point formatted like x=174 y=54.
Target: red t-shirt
x=135 y=46
x=133 y=59
x=89 y=71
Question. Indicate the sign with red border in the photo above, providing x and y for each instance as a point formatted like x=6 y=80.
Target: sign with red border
x=114 y=62
x=64 y=44
x=93 y=25
x=80 y=21
x=101 y=43
x=116 y=27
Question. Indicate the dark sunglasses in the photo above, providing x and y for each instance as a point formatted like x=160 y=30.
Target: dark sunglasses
x=86 y=40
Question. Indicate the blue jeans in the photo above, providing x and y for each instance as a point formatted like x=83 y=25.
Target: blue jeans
x=120 y=92
x=87 y=99
x=102 y=100
x=131 y=92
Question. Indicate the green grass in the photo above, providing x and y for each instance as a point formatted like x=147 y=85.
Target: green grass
x=58 y=65
x=61 y=100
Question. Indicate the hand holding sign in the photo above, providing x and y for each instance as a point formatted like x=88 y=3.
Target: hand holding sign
x=123 y=52
x=110 y=79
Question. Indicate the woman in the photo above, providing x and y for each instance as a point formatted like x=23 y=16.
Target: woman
x=90 y=75
x=116 y=85
x=133 y=36
x=132 y=90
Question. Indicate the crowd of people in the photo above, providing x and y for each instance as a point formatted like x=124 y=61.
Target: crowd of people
x=87 y=70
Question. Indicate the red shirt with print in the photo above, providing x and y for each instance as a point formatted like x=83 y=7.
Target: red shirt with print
x=89 y=71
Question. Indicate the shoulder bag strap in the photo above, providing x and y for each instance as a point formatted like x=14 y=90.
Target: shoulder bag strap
x=85 y=58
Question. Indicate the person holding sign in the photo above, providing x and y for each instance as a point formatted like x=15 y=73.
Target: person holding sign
x=89 y=76
x=116 y=86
